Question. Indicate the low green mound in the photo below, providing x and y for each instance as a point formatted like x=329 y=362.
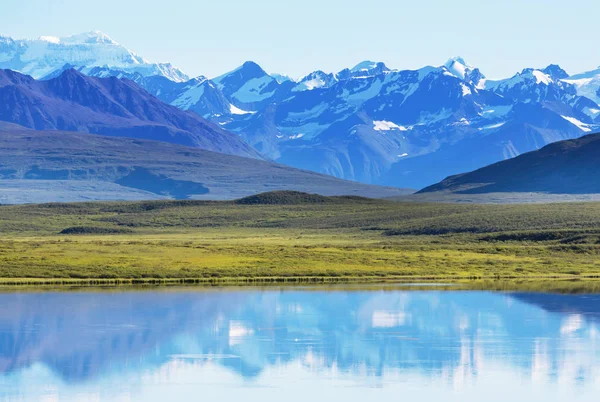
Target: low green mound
x=83 y=230
x=284 y=198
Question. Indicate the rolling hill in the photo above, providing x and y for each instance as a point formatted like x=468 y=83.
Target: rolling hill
x=50 y=166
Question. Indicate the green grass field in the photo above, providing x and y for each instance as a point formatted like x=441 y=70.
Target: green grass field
x=283 y=237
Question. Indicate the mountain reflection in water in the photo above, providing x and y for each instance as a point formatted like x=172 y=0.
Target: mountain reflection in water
x=120 y=345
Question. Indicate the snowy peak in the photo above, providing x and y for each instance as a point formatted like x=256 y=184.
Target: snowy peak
x=463 y=70
x=315 y=80
x=363 y=69
x=539 y=76
x=364 y=66
x=92 y=37
x=527 y=78
x=252 y=70
x=369 y=67
x=247 y=71
x=534 y=85
x=555 y=72
x=43 y=56
x=247 y=85
x=458 y=67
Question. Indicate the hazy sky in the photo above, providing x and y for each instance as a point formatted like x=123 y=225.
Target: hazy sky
x=298 y=36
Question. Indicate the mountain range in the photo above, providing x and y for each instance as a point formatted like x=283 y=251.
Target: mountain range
x=369 y=123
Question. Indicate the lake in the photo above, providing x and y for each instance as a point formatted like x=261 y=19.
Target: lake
x=298 y=344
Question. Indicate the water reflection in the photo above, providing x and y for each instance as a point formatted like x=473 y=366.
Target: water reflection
x=251 y=343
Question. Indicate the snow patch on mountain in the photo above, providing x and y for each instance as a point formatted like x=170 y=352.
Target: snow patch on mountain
x=309 y=85
x=493 y=126
x=542 y=78
x=238 y=111
x=382 y=125
x=494 y=112
x=591 y=112
x=465 y=89
x=92 y=37
x=50 y=39
x=584 y=127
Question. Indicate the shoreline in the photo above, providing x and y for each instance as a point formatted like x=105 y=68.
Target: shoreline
x=298 y=280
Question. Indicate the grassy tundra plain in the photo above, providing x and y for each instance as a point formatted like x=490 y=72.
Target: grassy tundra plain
x=287 y=236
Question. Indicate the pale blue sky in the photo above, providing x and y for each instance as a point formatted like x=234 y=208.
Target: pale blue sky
x=298 y=36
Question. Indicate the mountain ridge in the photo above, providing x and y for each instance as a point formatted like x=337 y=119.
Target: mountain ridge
x=385 y=126
x=564 y=167
x=75 y=102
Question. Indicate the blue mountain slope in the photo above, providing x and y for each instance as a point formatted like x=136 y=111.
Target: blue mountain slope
x=564 y=167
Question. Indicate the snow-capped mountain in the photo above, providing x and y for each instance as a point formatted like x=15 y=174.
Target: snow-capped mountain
x=587 y=84
x=410 y=128
x=43 y=56
x=368 y=123
x=249 y=86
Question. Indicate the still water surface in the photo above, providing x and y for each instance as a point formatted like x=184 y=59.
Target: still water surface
x=299 y=345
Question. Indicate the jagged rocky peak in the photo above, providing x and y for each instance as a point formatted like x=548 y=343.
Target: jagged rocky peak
x=475 y=77
x=316 y=79
x=370 y=67
x=556 y=72
x=459 y=67
x=245 y=72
